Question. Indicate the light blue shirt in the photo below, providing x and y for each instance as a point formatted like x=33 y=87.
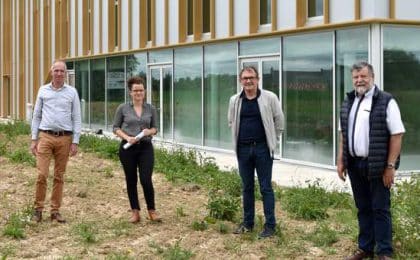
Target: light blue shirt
x=57 y=110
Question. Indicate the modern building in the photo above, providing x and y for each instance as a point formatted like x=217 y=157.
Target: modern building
x=190 y=52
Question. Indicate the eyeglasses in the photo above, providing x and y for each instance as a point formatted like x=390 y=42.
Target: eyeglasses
x=137 y=90
x=248 y=78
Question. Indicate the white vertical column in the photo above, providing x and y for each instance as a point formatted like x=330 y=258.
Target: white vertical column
x=376 y=52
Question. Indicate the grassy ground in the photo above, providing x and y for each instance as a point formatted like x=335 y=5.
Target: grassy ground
x=200 y=206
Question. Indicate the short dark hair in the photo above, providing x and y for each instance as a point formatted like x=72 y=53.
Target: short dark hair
x=135 y=80
x=363 y=64
x=249 y=68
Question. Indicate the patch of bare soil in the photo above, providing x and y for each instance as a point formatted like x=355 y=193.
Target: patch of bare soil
x=95 y=196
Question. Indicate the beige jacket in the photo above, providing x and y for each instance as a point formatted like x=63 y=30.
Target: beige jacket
x=271 y=114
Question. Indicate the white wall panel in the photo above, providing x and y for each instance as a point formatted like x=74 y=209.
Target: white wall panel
x=105 y=26
x=79 y=30
x=160 y=22
x=407 y=9
x=72 y=29
x=374 y=9
x=124 y=25
x=135 y=21
x=341 y=11
x=173 y=21
x=96 y=23
x=221 y=18
x=286 y=14
x=241 y=17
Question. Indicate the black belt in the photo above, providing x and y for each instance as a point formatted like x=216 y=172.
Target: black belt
x=57 y=133
x=358 y=158
x=251 y=142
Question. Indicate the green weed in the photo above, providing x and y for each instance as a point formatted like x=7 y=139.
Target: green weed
x=15 y=128
x=121 y=227
x=199 y=225
x=405 y=209
x=175 y=252
x=6 y=251
x=104 y=147
x=180 y=212
x=85 y=232
x=15 y=226
x=22 y=155
x=224 y=207
x=118 y=256
x=323 y=235
x=223 y=228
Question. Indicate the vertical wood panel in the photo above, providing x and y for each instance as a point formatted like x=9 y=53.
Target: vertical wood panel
x=143 y=23
x=100 y=11
x=392 y=9
x=111 y=25
x=182 y=20
x=254 y=15
x=326 y=11
x=36 y=48
x=231 y=18
x=198 y=19
x=47 y=42
x=301 y=12
x=22 y=58
x=273 y=15
x=212 y=18
x=119 y=25
x=166 y=22
x=130 y=24
x=357 y=9
x=86 y=27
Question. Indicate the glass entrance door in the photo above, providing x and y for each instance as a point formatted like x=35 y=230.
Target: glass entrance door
x=160 y=96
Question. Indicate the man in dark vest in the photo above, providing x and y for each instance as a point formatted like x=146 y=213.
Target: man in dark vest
x=369 y=149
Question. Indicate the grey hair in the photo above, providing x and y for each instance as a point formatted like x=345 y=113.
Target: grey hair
x=363 y=64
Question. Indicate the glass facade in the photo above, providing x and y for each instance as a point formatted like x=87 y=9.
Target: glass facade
x=188 y=95
x=115 y=87
x=97 y=94
x=219 y=85
x=401 y=77
x=82 y=86
x=307 y=97
x=191 y=87
x=315 y=8
x=265 y=11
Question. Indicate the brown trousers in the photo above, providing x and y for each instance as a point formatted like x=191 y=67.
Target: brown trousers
x=57 y=147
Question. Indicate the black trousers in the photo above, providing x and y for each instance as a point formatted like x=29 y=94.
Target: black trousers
x=139 y=156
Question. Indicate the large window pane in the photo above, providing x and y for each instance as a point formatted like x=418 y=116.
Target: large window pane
x=351 y=46
x=115 y=86
x=160 y=56
x=401 y=79
x=97 y=94
x=307 y=97
x=82 y=86
x=187 y=96
x=219 y=85
x=136 y=65
x=260 y=46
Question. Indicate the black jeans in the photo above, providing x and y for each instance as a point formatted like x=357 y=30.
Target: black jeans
x=373 y=201
x=141 y=156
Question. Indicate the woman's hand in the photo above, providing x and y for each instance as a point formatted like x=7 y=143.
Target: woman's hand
x=131 y=140
x=149 y=131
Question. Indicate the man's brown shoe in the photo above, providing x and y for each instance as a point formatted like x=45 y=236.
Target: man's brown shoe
x=360 y=254
x=153 y=216
x=37 y=216
x=57 y=216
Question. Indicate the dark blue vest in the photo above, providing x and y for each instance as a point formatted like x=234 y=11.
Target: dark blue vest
x=378 y=132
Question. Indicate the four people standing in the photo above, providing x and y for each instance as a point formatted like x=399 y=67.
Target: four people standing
x=130 y=119
x=56 y=127
x=256 y=120
x=369 y=150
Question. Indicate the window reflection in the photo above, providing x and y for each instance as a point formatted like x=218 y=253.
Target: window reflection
x=401 y=79
x=315 y=8
x=219 y=85
x=115 y=86
x=187 y=95
x=265 y=11
x=82 y=86
x=97 y=93
x=307 y=86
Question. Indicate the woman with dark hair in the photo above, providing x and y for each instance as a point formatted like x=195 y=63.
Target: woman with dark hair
x=131 y=119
